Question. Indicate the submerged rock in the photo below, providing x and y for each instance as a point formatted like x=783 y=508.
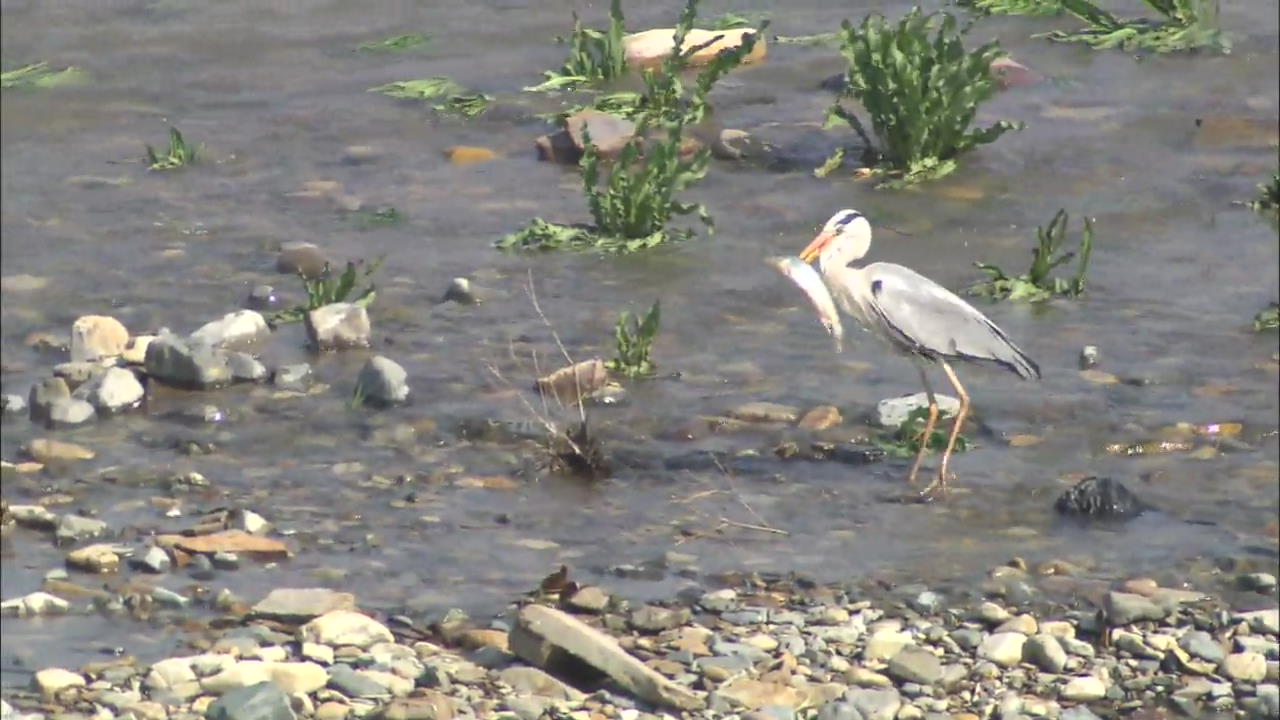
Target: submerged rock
x=608 y=133
x=302 y=258
x=66 y=413
x=460 y=291
x=44 y=394
x=1099 y=498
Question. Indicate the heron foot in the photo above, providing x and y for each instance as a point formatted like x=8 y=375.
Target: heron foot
x=938 y=488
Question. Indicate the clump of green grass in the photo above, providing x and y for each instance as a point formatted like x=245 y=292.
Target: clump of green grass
x=457 y=100
x=371 y=218
x=1184 y=25
x=904 y=442
x=179 y=154
x=633 y=340
x=1014 y=7
x=1267 y=318
x=633 y=206
x=329 y=287
x=595 y=56
x=1037 y=284
x=397 y=43
x=1268 y=199
x=921 y=92
x=40 y=75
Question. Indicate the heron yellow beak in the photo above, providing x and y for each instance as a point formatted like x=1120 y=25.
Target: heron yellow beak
x=815 y=248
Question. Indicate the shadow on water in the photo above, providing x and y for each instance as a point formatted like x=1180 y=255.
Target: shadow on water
x=388 y=504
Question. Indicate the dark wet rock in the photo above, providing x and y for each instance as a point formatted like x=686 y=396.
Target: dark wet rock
x=115 y=390
x=301 y=257
x=1257 y=582
x=223 y=560
x=153 y=560
x=915 y=664
x=292 y=377
x=245 y=367
x=532 y=681
x=97 y=336
x=653 y=619
x=263 y=297
x=382 y=382
x=839 y=710
x=44 y=394
x=732 y=144
x=302 y=604
x=1202 y=645
x=1046 y=652
x=460 y=291
x=850 y=453
x=176 y=361
x=74 y=528
x=78 y=373
x=231 y=330
x=545 y=638
x=1099 y=498
x=1124 y=608
x=263 y=701
x=201 y=568
x=68 y=413
x=719 y=601
x=339 y=326
x=13 y=405
x=892 y=412
x=354 y=685
x=428 y=706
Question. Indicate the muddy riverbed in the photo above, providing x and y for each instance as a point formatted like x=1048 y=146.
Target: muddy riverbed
x=404 y=507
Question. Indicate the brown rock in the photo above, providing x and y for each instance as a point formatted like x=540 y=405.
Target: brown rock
x=754 y=694
x=476 y=638
x=427 y=705
x=1236 y=131
x=570 y=383
x=469 y=154
x=46 y=450
x=96 y=558
x=97 y=336
x=235 y=541
x=649 y=48
x=821 y=418
x=301 y=257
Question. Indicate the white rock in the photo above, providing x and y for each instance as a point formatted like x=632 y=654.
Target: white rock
x=301 y=677
x=382 y=381
x=232 y=329
x=36 y=603
x=322 y=654
x=892 y=412
x=52 y=680
x=168 y=673
x=1262 y=621
x=1247 y=667
x=338 y=326
x=97 y=336
x=242 y=674
x=884 y=644
x=1003 y=649
x=345 y=627
x=1083 y=688
x=115 y=390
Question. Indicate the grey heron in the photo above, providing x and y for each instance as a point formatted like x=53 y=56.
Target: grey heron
x=916 y=316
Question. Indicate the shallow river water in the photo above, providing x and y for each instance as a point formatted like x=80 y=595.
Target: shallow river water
x=1157 y=149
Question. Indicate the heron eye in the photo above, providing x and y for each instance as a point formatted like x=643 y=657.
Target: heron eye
x=876 y=286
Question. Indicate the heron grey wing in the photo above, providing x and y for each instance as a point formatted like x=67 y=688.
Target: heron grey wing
x=925 y=317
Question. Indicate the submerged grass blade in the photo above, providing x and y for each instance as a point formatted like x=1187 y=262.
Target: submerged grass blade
x=40 y=75
x=397 y=43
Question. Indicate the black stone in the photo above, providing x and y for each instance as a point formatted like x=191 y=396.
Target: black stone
x=1100 y=498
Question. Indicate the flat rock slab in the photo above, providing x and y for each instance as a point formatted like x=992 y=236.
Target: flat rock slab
x=542 y=632
x=301 y=604
x=235 y=541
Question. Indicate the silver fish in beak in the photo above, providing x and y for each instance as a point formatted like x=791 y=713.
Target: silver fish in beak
x=802 y=273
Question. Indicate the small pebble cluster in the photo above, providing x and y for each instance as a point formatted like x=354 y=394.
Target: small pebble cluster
x=763 y=650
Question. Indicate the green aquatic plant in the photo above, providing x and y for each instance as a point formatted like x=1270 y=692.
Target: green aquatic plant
x=457 y=100
x=633 y=343
x=328 y=287
x=921 y=93
x=1267 y=318
x=904 y=441
x=1014 y=7
x=397 y=43
x=1268 y=199
x=1037 y=284
x=179 y=154
x=736 y=21
x=40 y=75
x=371 y=218
x=827 y=38
x=1185 y=25
x=595 y=56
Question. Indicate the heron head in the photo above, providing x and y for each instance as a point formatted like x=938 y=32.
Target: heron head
x=845 y=238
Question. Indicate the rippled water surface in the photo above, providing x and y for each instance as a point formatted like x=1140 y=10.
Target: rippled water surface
x=275 y=92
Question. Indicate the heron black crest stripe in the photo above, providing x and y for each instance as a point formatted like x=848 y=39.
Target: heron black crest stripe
x=847 y=218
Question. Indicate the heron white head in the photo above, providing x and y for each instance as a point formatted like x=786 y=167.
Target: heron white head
x=846 y=237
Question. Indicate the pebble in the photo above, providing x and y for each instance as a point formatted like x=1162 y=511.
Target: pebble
x=1003 y=649
x=892 y=412
x=50 y=681
x=46 y=450
x=296 y=377
x=590 y=599
x=884 y=645
x=1202 y=645
x=73 y=528
x=1046 y=652
x=1245 y=667
x=13 y=405
x=1024 y=624
x=719 y=601
x=154 y=560
x=44 y=394
x=261 y=701
x=914 y=664
x=299 y=257
x=302 y=604
x=69 y=413
x=1084 y=688
x=1126 y=608
x=875 y=704
x=245 y=367
x=36 y=603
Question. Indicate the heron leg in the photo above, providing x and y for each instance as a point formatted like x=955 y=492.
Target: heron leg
x=923 y=439
x=941 y=481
